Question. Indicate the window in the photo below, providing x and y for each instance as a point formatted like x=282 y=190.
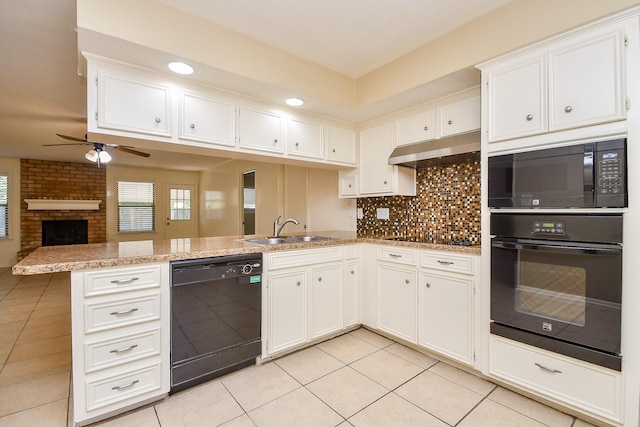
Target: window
x=180 y=204
x=4 y=205
x=136 y=206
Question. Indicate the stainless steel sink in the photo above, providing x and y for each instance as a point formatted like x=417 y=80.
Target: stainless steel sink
x=287 y=239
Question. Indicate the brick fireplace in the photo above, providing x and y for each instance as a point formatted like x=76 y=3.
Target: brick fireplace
x=43 y=179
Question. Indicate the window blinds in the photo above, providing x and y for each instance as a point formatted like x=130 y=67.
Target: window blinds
x=4 y=205
x=136 y=206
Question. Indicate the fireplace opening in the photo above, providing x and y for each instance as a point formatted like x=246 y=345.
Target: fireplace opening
x=65 y=232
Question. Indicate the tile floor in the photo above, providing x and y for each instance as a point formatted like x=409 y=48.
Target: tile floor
x=357 y=379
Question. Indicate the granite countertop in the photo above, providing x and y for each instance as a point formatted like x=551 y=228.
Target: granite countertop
x=52 y=259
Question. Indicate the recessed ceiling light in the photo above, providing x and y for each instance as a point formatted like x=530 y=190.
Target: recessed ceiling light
x=180 y=67
x=294 y=102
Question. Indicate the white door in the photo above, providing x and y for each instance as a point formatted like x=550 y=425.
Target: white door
x=180 y=211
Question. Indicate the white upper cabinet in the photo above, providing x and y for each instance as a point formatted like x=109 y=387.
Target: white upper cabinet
x=417 y=127
x=518 y=99
x=377 y=177
x=305 y=138
x=587 y=80
x=131 y=104
x=205 y=119
x=341 y=145
x=460 y=117
x=575 y=82
x=261 y=130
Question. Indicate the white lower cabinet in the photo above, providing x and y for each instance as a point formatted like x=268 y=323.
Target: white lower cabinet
x=586 y=387
x=287 y=292
x=306 y=297
x=351 y=294
x=120 y=339
x=397 y=301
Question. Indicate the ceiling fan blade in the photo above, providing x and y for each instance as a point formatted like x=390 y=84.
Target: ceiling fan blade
x=72 y=138
x=56 y=145
x=130 y=151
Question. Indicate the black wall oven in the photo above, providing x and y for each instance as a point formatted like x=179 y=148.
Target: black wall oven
x=556 y=283
x=577 y=176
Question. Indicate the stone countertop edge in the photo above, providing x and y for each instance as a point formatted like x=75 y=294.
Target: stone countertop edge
x=54 y=259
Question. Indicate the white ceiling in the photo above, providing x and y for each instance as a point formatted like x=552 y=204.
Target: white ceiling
x=41 y=93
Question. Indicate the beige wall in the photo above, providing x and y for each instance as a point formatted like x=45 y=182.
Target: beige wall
x=160 y=177
x=326 y=210
x=9 y=247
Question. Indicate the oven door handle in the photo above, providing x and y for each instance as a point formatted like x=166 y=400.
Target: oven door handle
x=593 y=249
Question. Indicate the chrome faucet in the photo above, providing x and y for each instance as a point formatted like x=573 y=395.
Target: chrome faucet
x=277 y=226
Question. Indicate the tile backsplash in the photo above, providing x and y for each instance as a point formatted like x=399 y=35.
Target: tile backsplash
x=446 y=207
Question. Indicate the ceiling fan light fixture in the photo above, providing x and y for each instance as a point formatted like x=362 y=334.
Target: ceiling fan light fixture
x=180 y=67
x=104 y=157
x=92 y=155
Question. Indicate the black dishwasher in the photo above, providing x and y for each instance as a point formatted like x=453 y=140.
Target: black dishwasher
x=215 y=317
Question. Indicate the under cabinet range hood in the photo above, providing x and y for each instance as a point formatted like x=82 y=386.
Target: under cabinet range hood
x=450 y=149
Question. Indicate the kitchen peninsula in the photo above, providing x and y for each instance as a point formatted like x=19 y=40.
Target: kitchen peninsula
x=121 y=311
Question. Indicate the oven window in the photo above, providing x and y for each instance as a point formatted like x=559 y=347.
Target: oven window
x=552 y=291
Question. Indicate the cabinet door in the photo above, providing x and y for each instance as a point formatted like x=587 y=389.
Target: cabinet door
x=348 y=180
x=341 y=145
x=131 y=105
x=397 y=301
x=416 y=128
x=207 y=120
x=446 y=311
x=517 y=99
x=305 y=138
x=327 y=309
x=460 y=117
x=287 y=309
x=587 y=81
x=376 y=145
x=351 y=293
x=261 y=130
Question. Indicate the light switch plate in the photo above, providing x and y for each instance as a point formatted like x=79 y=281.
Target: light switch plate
x=382 y=213
x=360 y=213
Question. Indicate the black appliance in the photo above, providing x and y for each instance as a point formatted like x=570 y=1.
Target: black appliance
x=556 y=283
x=215 y=317
x=577 y=176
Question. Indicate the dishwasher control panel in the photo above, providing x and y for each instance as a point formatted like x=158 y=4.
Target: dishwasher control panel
x=239 y=267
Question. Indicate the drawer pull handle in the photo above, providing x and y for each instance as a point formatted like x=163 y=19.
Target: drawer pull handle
x=125 y=281
x=123 y=387
x=445 y=262
x=123 y=350
x=544 y=368
x=395 y=255
x=122 y=313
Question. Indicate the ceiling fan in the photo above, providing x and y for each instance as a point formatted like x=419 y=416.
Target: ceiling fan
x=98 y=153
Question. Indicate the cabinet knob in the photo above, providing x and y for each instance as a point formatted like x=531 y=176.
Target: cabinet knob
x=297 y=144
x=334 y=150
x=298 y=283
x=275 y=140
x=158 y=120
x=349 y=185
x=385 y=182
x=406 y=281
x=568 y=109
x=426 y=128
x=352 y=272
x=529 y=117
x=319 y=279
x=428 y=285
x=192 y=125
x=450 y=122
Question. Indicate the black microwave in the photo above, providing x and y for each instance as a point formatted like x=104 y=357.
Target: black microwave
x=591 y=175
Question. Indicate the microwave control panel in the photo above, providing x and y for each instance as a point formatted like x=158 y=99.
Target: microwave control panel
x=610 y=174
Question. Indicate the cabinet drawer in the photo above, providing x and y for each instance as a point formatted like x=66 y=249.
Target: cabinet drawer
x=447 y=262
x=595 y=389
x=305 y=257
x=110 y=281
x=111 y=352
x=110 y=390
x=109 y=315
x=397 y=255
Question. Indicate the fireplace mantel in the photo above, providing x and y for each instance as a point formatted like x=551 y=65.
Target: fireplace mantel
x=62 y=205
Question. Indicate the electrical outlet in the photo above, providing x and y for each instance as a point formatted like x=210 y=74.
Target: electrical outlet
x=360 y=213
x=382 y=213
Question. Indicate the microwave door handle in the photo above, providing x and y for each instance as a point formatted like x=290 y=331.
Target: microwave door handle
x=588 y=172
